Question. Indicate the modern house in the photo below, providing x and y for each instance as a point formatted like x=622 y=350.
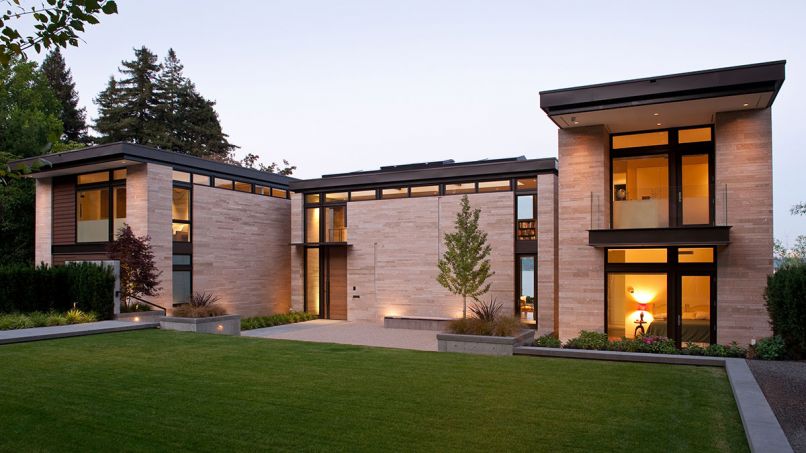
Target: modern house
x=656 y=218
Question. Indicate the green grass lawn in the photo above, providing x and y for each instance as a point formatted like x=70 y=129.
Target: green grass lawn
x=162 y=390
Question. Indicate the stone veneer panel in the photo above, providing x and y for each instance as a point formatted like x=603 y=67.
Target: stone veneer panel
x=43 y=233
x=297 y=260
x=240 y=250
x=744 y=163
x=396 y=245
x=584 y=170
x=148 y=212
x=547 y=288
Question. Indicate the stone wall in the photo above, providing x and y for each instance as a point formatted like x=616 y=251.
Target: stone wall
x=148 y=212
x=42 y=223
x=547 y=228
x=584 y=170
x=392 y=265
x=241 y=251
x=744 y=163
x=297 y=272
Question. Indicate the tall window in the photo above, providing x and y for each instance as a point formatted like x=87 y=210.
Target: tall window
x=526 y=289
x=527 y=228
x=641 y=192
x=100 y=205
x=181 y=214
x=182 y=279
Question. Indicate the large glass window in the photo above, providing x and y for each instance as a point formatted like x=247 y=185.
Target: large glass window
x=336 y=224
x=312 y=225
x=695 y=319
x=636 y=304
x=641 y=192
x=119 y=209
x=527 y=225
x=526 y=290
x=92 y=224
x=312 y=280
x=695 y=189
x=181 y=214
x=181 y=281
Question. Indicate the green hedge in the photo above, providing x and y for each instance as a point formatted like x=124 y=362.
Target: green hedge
x=86 y=286
x=258 y=322
x=786 y=304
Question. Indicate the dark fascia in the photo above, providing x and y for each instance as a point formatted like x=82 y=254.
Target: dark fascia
x=735 y=80
x=425 y=176
x=147 y=154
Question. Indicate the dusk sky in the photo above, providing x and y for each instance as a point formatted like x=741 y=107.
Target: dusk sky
x=342 y=86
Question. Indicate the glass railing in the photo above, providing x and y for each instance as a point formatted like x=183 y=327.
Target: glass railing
x=652 y=210
x=336 y=235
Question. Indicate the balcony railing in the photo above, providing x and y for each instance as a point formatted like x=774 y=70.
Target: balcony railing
x=336 y=235
x=651 y=209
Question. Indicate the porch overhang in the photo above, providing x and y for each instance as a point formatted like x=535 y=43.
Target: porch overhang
x=660 y=237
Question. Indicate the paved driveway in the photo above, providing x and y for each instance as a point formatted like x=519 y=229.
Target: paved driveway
x=345 y=332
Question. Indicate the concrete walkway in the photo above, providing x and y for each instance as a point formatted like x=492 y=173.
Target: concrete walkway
x=72 y=330
x=344 y=332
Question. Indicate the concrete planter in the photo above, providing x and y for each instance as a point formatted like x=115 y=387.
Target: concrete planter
x=221 y=325
x=416 y=323
x=141 y=316
x=482 y=344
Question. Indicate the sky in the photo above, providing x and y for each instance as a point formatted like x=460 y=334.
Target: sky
x=353 y=85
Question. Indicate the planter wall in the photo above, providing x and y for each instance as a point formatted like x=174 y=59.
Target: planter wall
x=482 y=344
x=221 y=325
x=416 y=323
x=141 y=316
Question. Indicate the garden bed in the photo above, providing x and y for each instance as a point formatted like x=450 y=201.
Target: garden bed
x=221 y=325
x=141 y=316
x=12 y=321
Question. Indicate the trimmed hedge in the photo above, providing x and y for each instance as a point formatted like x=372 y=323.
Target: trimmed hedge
x=259 y=322
x=786 y=304
x=86 y=286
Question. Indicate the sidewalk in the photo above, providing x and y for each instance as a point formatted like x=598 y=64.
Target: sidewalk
x=72 y=330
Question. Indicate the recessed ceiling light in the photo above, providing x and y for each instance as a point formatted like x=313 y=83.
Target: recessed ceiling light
x=576 y=122
x=745 y=104
x=659 y=124
x=655 y=114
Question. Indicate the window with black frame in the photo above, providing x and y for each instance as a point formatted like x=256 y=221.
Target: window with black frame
x=100 y=205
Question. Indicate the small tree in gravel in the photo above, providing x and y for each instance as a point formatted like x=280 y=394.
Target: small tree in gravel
x=465 y=266
x=139 y=275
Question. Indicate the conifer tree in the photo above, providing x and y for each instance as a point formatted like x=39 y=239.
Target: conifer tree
x=61 y=82
x=465 y=266
x=126 y=108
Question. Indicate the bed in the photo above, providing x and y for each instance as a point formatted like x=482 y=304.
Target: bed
x=694 y=330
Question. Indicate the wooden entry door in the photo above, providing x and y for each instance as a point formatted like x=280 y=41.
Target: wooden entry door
x=336 y=283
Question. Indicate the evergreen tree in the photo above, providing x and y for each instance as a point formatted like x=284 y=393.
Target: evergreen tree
x=61 y=82
x=465 y=266
x=127 y=107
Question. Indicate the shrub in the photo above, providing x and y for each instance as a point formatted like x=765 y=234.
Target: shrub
x=202 y=305
x=85 y=286
x=588 y=340
x=548 y=341
x=486 y=311
x=259 y=322
x=785 y=298
x=770 y=348
x=649 y=344
x=136 y=307
x=504 y=326
x=11 y=321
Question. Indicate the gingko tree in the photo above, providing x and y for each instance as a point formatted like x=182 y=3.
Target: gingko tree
x=139 y=275
x=464 y=268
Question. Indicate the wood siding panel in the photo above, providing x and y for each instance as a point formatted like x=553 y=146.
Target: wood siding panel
x=64 y=211
x=338 y=284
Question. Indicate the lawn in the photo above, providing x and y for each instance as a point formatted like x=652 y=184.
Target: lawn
x=161 y=390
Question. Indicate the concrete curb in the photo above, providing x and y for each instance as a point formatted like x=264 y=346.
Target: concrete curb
x=764 y=433
x=671 y=359
x=74 y=330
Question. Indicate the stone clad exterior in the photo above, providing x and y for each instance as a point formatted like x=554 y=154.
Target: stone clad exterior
x=42 y=223
x=547 y=248
x=240 y=250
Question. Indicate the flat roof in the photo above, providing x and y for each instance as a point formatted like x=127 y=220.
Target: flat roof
x=122 y=151
x=428 y=173
x=730 y=81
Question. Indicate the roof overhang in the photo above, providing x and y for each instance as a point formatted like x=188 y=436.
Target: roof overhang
x=116 y=155
x=427 y=175
x=677 y=100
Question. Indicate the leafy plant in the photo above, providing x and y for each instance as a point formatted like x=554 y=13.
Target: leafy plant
x=770 y=348
x=486 y=311
x=465 y=266
x=202 y=305
x=786 y=304
x=502 y=326
x=9 y=321
x=588 y=340
x=548 y=340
